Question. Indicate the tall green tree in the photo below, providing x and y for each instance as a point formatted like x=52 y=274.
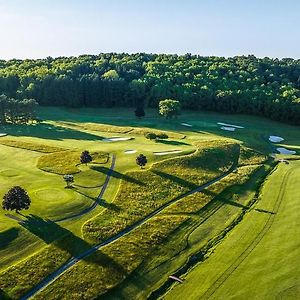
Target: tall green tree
x=16 y=199
x=169 y=108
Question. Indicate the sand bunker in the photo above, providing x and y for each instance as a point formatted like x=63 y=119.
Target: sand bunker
x=186 y=124
x=235 y=126
x=275 y=139
x=167 y=152
x=285 y=151
x=129 y=151
x=228 y=128
x=117 y=139
x=3 y=134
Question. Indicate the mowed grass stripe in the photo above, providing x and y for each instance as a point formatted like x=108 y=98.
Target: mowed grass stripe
x=255 y=242
x=212 y=274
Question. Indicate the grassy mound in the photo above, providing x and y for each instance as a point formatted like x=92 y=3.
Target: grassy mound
x=97 y=127
x=110 y=266
x=250 y=156
x=67 y=162
x=143 y=191
x=120 y=129
x=30 y=146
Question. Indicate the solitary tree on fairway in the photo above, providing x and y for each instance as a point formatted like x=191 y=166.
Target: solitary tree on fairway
x=141 y=160
x=69 y=179
x=16 y=198
x=169 y=108
x=85 y=157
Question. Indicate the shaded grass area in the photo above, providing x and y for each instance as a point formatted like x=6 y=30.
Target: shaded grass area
x=261 y=250
x=208 y=213
x=147 y=190
x=30 y=146
x=148 y=196
x=134 y=252
x=127 y=253
x=250 y=156
x=67 y=162
x=120 y=129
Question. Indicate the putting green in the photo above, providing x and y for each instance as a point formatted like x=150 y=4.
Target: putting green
x=52 y=195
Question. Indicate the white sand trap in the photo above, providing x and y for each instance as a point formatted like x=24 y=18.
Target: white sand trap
x=129 y=151
x=186 y=124
x=285 y=151
x=167 y=152
x=3 y=134
x=228 y=128
x=275 y=139
x=117 y=139
x=235 y=126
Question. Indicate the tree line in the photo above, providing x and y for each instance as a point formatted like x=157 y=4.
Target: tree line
x=17 y=111
x=242 y=84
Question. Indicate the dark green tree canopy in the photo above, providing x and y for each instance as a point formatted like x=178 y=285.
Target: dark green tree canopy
x=242 y=84
x=85 y=157
x=69 y=179
x=16 y=199
x=141 y=160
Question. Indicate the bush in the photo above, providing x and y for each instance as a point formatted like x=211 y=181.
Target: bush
x=151 y=136
x=162 y=136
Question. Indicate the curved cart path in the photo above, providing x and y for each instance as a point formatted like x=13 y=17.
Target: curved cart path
x=55 y=275
x=100 y=196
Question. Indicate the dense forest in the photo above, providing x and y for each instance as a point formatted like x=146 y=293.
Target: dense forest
x=242 y=84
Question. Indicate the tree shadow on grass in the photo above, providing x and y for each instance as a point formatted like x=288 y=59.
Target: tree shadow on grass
x=52 y=233
x=7 y=236
x=264 y=211
x=75 y=189
x=109 y=205
x=4 y=296
x=117 y=175
x=175 y=143
x=48 y=131
x=176 y=179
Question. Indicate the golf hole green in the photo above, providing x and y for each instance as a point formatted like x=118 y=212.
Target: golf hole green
x=51 y=195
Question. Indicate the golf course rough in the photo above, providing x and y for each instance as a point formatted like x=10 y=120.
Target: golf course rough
x=36 y=156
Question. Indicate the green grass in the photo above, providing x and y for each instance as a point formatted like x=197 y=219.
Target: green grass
x=119 y=129
x=265 y=255
x=30 y=146
x=158 y=247
x=134 y=251
x=67 y=162
x=143 y=191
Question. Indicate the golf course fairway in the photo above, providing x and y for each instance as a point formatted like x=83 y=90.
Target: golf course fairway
x=259 y=259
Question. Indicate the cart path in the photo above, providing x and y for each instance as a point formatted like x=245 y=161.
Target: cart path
x=100 y=196
x=60 y=271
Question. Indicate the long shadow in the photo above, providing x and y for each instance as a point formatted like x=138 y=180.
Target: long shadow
x=264 y=211
x=176 y=179
x=52 y=233
x=7 y=236
x=175 y=143
x=117 y=174
x=233 y=203
x=109 y=205
x=83 y=194
x=4 y=296
x=48 y=131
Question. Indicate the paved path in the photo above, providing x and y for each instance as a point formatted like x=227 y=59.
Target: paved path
x=55 y=275
x=100 y=196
